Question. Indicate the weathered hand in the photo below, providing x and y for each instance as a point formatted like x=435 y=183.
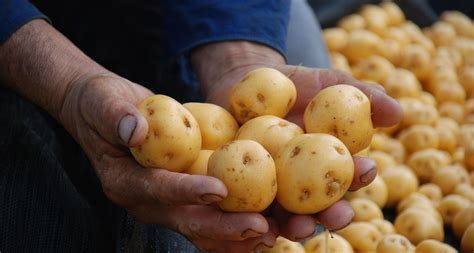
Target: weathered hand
x=100 y=112
x=218 y=73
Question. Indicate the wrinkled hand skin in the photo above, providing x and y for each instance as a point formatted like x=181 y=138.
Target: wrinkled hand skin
x=219 y=66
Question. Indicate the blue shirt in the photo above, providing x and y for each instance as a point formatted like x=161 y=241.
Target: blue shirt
x=189 y=23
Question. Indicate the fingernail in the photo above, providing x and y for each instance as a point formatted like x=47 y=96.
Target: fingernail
x=210 y=198
x=367 y=176
x=250 y=233
x=262 y=246
x=126 y=128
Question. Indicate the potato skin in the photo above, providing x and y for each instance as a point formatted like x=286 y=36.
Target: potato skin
x=343 y=111
x=173 y=141
x=248 y=172
x=335 y=244
x=263 y=91
x=363 y=236
x=216 y=124
x=199 y=167
x=395 y=243
x=283 y=245
x=313 y=172
x=418 y=225
x=433 y=246
x=467 y=240
x=376 y=191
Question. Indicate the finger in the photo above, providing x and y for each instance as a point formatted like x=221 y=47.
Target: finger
x=336 y=216
x=365 y=171
x=212 y=223
x=292 y=226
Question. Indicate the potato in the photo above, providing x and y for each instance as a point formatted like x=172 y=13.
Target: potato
x=335 y=38
x=383 y=226
x=397 y=34
x=216 y=124
x=447 y=139
x=373 y=67
x=466 y=135
x=417 y=113
x=382 y=159
x=390 y=146
x=452 y=125
x=417 y=225
x=395 y=15
x=469 y=109
x=364 y=152
x=426 y=162
x=339 y=61
x=283 y=245
x=450 y=205
x=270 y=131
x=362 y=44
x=400 y=181
x=375 y=17
x=419 y=137
x=391 y=50
x=343 y=111
x=263 y=91
x=466 y=78
x=451 y=54
x=395 y=243
x=450 y=92
x=313 y=172
x=433 y=246
x=427 y=99
x=325 y=243
x=199 y=167
x=467 y=241
x=365 y=210
x=448 y=177
x=352 y=22
x=462 y=220
x=376 y=191
x=248 y=172
x=439 y=76
x=402 y=83
x=451 y=110
x=461 y=23
x=432 y=192
x=417 y=59
x=466 y=48
x=458 y=155
x=465 y=190
x=441 y=33
x=173 y=140
x=415 y=199
x=363 y=236
x=469 y=156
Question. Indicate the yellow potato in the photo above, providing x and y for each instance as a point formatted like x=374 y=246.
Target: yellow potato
x=453 y=92
x=363 y=152
x=417 y=225
x=270 y=131
x=395 y=15
x=466 y=78
x=432 y=192
x=397 y=34
x=441 y=33
x=363 y=236
x=402 y=83
x=325 y=243
x=447 y=139
x=417 y=113
x=352 y=22
x=458 y=155
x=391 y=50
x=439 y=77
x=462 y=220
x=390 y=146
x=375 y=17
x=339 y=61
x=461 y=23
x=415 y=199
x=388 y=130
x=216 y=124
x=419 y=137
x=433 y=246
x=452 y=125
x=427 y=98
x=376 y=191
x=466 y=48
x=451 y=54
x=400 y=181
x=313 y=171
x=383 y=226
x=466 y=135
x=362 y=44
x=365 y=209
x=343 y=111
x=263 y=91
x=335 y=38
x=417 y=59
x=447 y=178
x=469 y=109
x=469 y=156
x=467 y=241
x=199 y=167
x=173 y=140
x=465 y=190
x=451 y=110
x=382 y=159
x=426 y=162
x=248 y=172
x=283 y=245
x=373 y=67
x=450 y=205
x=395 y=243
